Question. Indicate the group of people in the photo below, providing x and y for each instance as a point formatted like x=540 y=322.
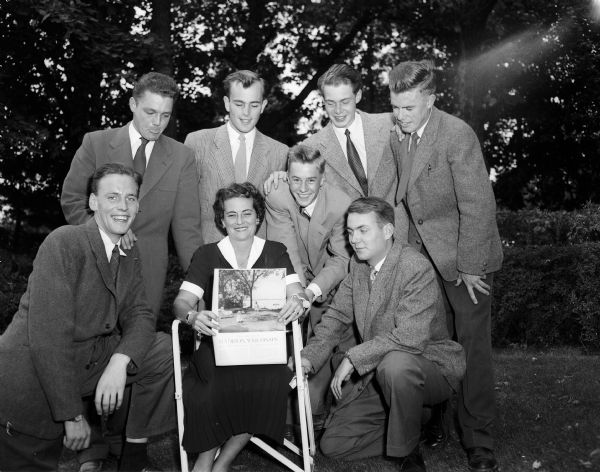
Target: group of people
x=385 y=224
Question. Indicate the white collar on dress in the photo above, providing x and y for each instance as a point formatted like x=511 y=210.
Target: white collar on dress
x=228 y=252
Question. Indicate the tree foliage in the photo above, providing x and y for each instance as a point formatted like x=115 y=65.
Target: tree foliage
x=524 y=74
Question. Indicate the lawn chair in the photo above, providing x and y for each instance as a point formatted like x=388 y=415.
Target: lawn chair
x=307 y=451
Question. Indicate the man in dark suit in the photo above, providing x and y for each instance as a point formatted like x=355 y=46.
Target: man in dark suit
x=404 y=359
x=83 y=328
x=235 y=151
x=307 y=214
x=169 y=192
x=446 y=195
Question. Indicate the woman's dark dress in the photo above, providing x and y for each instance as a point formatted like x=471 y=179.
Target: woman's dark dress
x=224 y=401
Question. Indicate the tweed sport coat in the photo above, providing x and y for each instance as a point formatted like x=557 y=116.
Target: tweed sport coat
x=403 y=311
x=168 y=200
x=322 y=255
x=70 y=304
x=214 y=164
x=450 y=198
x=382 y=174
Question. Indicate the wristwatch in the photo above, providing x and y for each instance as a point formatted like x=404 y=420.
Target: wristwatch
x=187 y=316
x=304 y=301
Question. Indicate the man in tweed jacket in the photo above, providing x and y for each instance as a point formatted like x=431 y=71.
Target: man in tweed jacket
x=404 y=359
x=84 y=328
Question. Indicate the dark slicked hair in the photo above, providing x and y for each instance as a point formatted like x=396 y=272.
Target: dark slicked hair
x=382 y=209
x=245 y=190
x=306 y=155
x=340 y=74
x=158 y=83
x=113 y=169
x=246 y=78
x=413 y=74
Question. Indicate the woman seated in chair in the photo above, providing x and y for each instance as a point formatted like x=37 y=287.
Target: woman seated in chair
x=225 y=406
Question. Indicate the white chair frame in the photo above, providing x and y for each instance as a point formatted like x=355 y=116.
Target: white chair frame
x=308 y=449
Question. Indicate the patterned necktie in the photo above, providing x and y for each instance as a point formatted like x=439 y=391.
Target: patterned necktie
x=407 y=165
x=240 y=161
x=355 y=164
x=139 y=160
x=114 y=262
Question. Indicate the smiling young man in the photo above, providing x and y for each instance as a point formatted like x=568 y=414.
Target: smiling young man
x=236 y=151
x=354 y=144
x=307 y=214
x=84 y=329
x=404 y=359
x=446 y=193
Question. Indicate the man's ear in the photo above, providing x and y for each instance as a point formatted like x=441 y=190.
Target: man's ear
x=388 y=230
x=226 y=103
x=263 y=106
x=430 y=100
x=132 y=104
x=93 y=202
x=358 y=96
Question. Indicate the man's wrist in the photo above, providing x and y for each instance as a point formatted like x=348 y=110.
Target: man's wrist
x=76 y=419
x=303 y=299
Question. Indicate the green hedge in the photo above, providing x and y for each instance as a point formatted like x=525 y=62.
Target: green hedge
x=548 y=296
x=540 y=227
x=543 y=296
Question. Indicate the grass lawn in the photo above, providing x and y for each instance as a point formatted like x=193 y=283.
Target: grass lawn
x=548 y=420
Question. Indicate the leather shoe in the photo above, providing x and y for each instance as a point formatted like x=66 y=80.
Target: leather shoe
x=435 y=431
x=91 y=466
x=413 y=462
x=481 y=459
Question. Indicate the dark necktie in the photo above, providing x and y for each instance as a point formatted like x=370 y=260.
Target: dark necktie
x=139 y=160
x=355 y=164
x=407 y=165
x=114 y=262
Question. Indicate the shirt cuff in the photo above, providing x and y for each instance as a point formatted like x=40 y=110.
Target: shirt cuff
x=314 y=288
x=291 y=279
x=192 y=288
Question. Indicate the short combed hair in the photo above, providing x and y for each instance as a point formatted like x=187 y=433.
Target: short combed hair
x=158 y=83
x=304 y=154
x=382 y=209
x=245 y=190
x=246 y=78
x=413 y=74
x=340 y=74
x=112 y=169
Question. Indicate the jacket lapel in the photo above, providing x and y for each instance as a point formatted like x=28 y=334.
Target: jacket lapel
x=93 y=234
x=423 y=153
x=159 y=163
x=335 y=157
x=375 y=139
x=222 y=157
x=120 y=147
x=258 y=159
x=317 y=229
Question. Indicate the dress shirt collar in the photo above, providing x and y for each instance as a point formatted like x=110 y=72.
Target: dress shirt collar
x=108 y=244
x=355 y=128
x=377 y=266
x=234 y=138
x=136 y=142
x=309 y=209
x=228 y=252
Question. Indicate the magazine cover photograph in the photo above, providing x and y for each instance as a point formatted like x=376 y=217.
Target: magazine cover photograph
x=249 y=299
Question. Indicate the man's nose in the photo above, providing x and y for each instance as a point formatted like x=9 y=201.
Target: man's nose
x=303 y=186
x=338 y=108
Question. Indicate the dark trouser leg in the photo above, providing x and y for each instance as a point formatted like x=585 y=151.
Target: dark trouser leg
x=318 y=384
x=476 y=401
x=356 y=430
x=20 y=452
x=408 y=382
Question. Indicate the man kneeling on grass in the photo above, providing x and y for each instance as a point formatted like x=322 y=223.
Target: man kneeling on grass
x=404 y=360
x=84 y=328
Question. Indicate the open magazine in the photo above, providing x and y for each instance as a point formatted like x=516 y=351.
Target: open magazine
x=248 y=302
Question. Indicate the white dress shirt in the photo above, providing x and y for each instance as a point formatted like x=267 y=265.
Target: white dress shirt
x=357 y=135
x=136 y=142
x=234 y=142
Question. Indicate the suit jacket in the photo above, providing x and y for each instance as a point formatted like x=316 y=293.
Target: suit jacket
x=318 y=248
x=403 y=311
x=168 y=199
x=214 y=163
x=382 y=175
x=71 y=303
x=450 y=198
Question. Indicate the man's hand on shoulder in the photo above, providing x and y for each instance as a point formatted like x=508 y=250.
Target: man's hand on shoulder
x=342 y=374
x=77 y=433
x=128 y=240
x=272 y=182
x=110 y=388
x=473 y=282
